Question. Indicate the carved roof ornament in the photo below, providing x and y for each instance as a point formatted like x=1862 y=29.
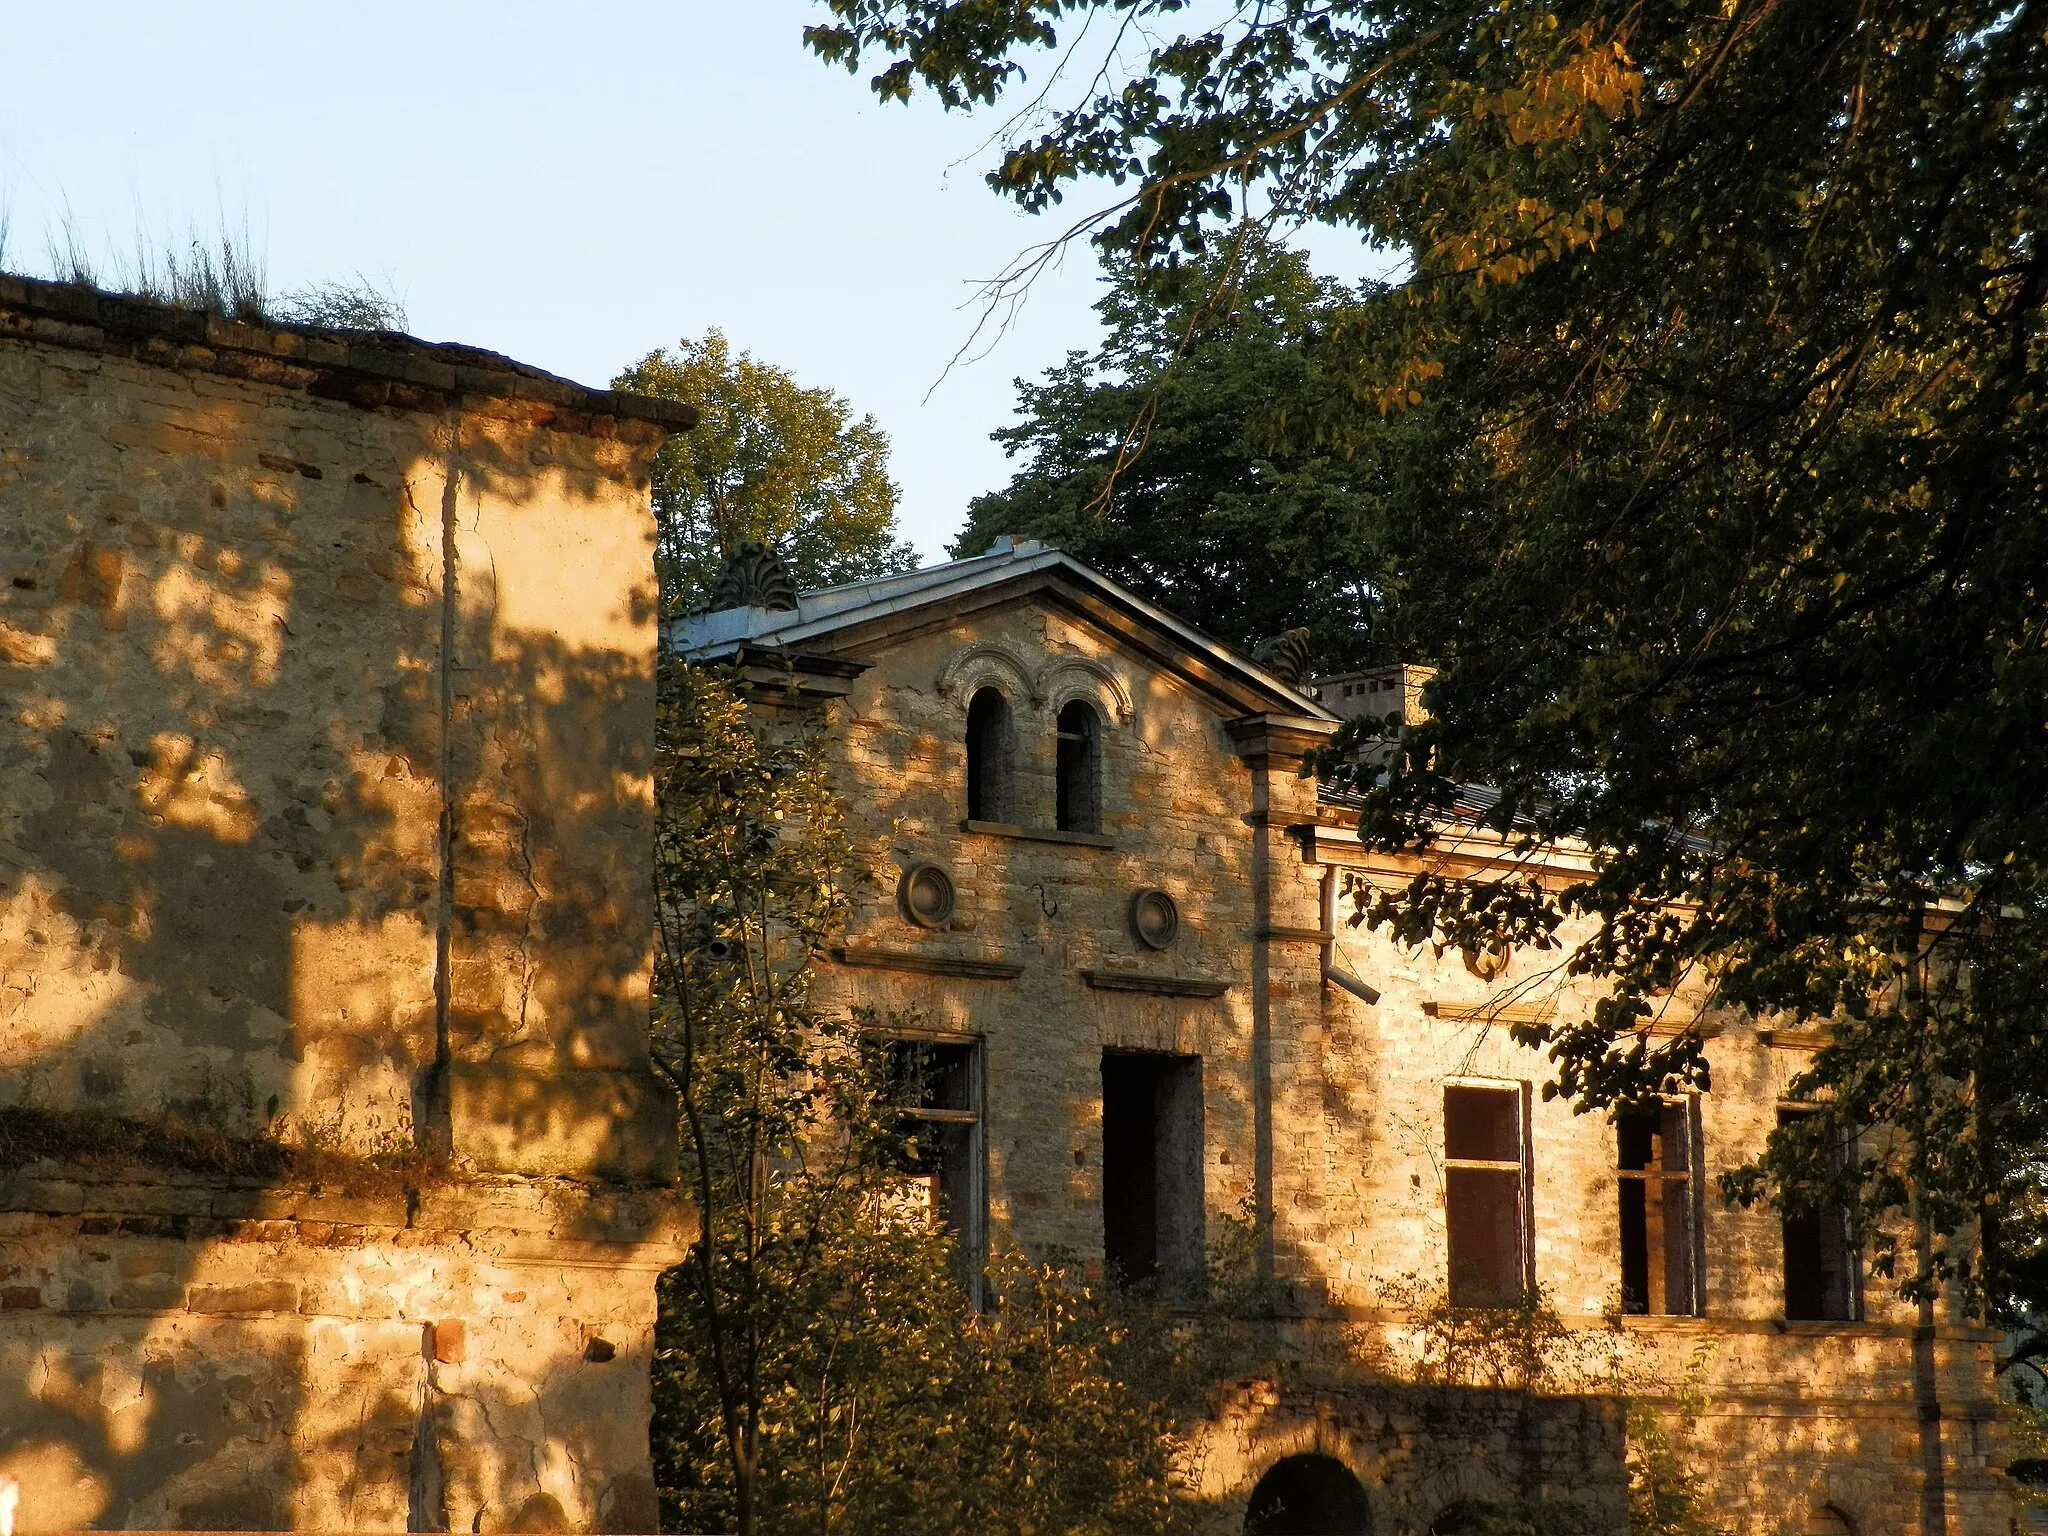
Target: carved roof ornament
x=754 y=577
x=1286 y=656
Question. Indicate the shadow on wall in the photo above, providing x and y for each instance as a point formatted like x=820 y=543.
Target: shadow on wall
x=240 y=699
x=1363 y=1457
x=1308 y=1495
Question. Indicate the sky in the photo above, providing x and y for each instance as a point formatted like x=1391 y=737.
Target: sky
x=573 y=185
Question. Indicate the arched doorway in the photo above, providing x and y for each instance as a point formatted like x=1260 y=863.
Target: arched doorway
x=1308 y=1496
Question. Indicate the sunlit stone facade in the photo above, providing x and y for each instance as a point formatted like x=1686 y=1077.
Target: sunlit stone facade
x=1126 y=1099
x=326 y=709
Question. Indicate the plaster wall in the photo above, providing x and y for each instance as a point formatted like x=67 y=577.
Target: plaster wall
x=326 y=697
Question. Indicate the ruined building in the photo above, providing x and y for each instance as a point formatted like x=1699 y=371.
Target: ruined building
x=333 y=1181
x=1110 y=908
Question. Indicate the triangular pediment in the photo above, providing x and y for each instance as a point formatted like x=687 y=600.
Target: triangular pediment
x=863 y=620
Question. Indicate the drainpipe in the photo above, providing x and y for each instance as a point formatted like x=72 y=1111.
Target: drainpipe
x=1262 y=1013
x=1333 y=973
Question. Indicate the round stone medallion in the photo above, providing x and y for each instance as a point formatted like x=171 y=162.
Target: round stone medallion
x=1487 y=964
x=925 y=895
x=1154 y=918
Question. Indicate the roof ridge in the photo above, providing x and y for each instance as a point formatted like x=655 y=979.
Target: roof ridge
x=722 y=632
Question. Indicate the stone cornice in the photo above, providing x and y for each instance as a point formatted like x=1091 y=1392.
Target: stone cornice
x=606 y=1219
x=1794 y=1039
x=369 y=369
x=1039 y=834
x=1288 y=738
x=920 y=963
x=772 y=674
x=1161 y=986
x=1489 y=1012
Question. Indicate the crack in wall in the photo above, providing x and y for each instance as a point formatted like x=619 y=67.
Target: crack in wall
x=426 y=1491
x=523 y=848
x=439 y=1131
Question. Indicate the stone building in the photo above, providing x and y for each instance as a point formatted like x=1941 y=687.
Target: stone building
x=1110 y=906
x=333 y=1181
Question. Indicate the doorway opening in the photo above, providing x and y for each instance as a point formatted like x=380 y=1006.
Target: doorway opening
x=1152 y=1169
x=1308 y=1496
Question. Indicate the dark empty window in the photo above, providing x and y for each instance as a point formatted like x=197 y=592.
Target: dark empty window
x=988 y=756
x=1820 y=1264
x=1308 y=1496
x=1079 y=793
x=1152 y=1169
x=1657 y=1214
x=1485 y=1196
x=938 y=1085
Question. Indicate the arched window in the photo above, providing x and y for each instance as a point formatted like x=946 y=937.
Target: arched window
x=988 y=756
x=1079 y=807
x=1308 y=1496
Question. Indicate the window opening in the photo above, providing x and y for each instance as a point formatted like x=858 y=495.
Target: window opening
x=1658 y=1216
x=1152 y=1227
x=988 y=756
x=1486 y=1196
x=1820 y=1264
x=1079 y=794
x=1308 y=1496
x=938 y=1086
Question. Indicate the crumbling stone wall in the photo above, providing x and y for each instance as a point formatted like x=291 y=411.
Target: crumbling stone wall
x=1418 y=1450
x=326 y=706
x=1323 y=1114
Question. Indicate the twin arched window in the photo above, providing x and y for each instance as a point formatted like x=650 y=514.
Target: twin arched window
x=1078 y=795
x=988 y=756
x=1077 y=781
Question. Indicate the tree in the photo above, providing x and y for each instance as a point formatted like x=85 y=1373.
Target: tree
x=1721 y=367
x=778 y=1113
x=818 y=1365
x=769 y=461
x=1163 y=458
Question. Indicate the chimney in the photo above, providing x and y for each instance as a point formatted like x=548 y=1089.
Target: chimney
x=1374 y=691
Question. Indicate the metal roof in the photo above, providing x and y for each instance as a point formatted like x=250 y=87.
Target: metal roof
x=822 y=614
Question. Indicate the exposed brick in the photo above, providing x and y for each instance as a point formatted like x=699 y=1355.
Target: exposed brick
x=451 y=1341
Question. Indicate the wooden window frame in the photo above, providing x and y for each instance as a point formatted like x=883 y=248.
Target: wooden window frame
x=1852 y=1250
x=974 y=1230
x=1523 y=1167
x=1695 y=1205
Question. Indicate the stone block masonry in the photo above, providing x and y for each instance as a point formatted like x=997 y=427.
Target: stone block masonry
x=1220 y=1074
x=333 y=1176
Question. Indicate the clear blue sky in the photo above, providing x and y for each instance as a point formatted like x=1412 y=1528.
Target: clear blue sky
x=573 y=185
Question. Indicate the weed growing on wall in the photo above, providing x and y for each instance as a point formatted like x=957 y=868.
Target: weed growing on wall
x=194 y=1144
x=223 y=274
x=1525 y=1346
x=1528 y=1346
x=1667 y=1492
